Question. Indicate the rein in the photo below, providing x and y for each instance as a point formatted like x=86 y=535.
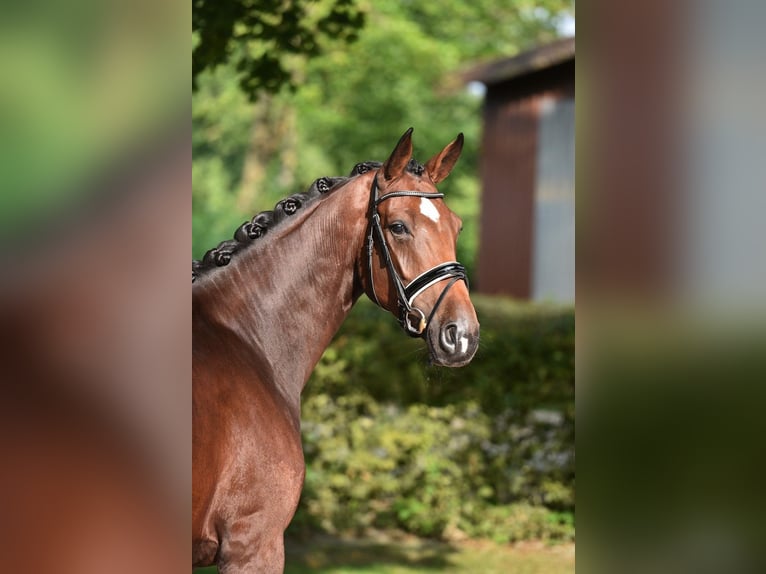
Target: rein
x=411 y=318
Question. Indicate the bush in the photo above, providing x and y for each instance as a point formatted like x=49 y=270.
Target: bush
x=525 y=360
x=483 y=451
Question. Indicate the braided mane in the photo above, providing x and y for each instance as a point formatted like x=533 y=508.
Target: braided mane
x=261 y=223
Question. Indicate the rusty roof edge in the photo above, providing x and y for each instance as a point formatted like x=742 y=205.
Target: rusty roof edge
x=522 y=64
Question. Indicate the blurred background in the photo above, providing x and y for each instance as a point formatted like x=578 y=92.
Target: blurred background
x=94 y=244
x=411 y=467
x=95 y=415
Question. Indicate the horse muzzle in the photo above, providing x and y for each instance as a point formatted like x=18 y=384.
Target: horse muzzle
x=454 y=343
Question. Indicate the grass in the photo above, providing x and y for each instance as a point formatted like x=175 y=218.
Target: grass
x=327 y=555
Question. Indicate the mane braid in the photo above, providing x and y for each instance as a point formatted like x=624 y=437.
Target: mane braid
x=260 y=224
x=415 y=167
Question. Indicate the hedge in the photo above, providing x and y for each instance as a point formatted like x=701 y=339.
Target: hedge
x=482 y=451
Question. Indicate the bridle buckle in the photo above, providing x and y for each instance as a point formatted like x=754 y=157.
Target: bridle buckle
x=414 y=321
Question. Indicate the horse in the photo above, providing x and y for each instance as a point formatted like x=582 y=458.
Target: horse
x=266 y=304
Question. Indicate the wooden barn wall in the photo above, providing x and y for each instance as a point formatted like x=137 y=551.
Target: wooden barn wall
x=509 y=144
x=508 y=173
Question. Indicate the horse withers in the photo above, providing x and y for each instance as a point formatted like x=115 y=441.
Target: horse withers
x=265 y=306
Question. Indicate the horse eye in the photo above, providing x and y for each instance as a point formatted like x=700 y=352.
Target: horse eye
x=398 y=228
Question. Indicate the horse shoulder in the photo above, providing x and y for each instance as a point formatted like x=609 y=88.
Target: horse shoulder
x=247 y=456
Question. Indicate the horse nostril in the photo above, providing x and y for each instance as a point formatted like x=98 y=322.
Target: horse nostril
x=449 y=337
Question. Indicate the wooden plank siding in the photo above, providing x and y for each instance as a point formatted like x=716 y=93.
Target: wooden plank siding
x=508 y=169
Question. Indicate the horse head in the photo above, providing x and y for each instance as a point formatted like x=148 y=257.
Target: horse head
x=411 y=267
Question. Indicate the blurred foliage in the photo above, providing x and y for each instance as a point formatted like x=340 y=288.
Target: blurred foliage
x=260 y=38
x=267 y=41
x=86 y=84
x=482 y=451
x=351 y=103
x=525 y=359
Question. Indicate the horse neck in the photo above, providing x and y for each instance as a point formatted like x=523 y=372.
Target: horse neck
x=287 y=294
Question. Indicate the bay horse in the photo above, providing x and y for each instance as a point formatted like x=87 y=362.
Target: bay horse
x=266 y=304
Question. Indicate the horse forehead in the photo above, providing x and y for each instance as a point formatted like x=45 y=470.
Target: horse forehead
x=429 y=206
x=433 y=208
x=429 y=209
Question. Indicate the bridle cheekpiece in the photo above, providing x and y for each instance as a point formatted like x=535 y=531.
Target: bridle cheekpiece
x=411 y=318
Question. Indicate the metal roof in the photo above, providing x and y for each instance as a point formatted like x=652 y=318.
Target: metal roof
x=522 y=64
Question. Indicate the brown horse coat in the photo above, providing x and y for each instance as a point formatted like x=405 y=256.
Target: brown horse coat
x=262 y=321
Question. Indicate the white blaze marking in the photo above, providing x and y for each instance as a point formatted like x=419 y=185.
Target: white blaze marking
x=428 y=209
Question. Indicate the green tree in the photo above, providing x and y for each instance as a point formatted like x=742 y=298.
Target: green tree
x=352 y=102
x=260 y=37
x=222 y=119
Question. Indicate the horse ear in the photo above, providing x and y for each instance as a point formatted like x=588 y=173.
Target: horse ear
x=399 y=158
x=440 y=166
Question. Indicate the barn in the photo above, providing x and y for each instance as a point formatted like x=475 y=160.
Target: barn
x=527 y=170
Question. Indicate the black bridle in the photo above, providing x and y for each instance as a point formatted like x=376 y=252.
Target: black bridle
x=412 y=319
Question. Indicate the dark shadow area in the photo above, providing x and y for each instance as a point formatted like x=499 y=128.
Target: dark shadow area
x=324 y=553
